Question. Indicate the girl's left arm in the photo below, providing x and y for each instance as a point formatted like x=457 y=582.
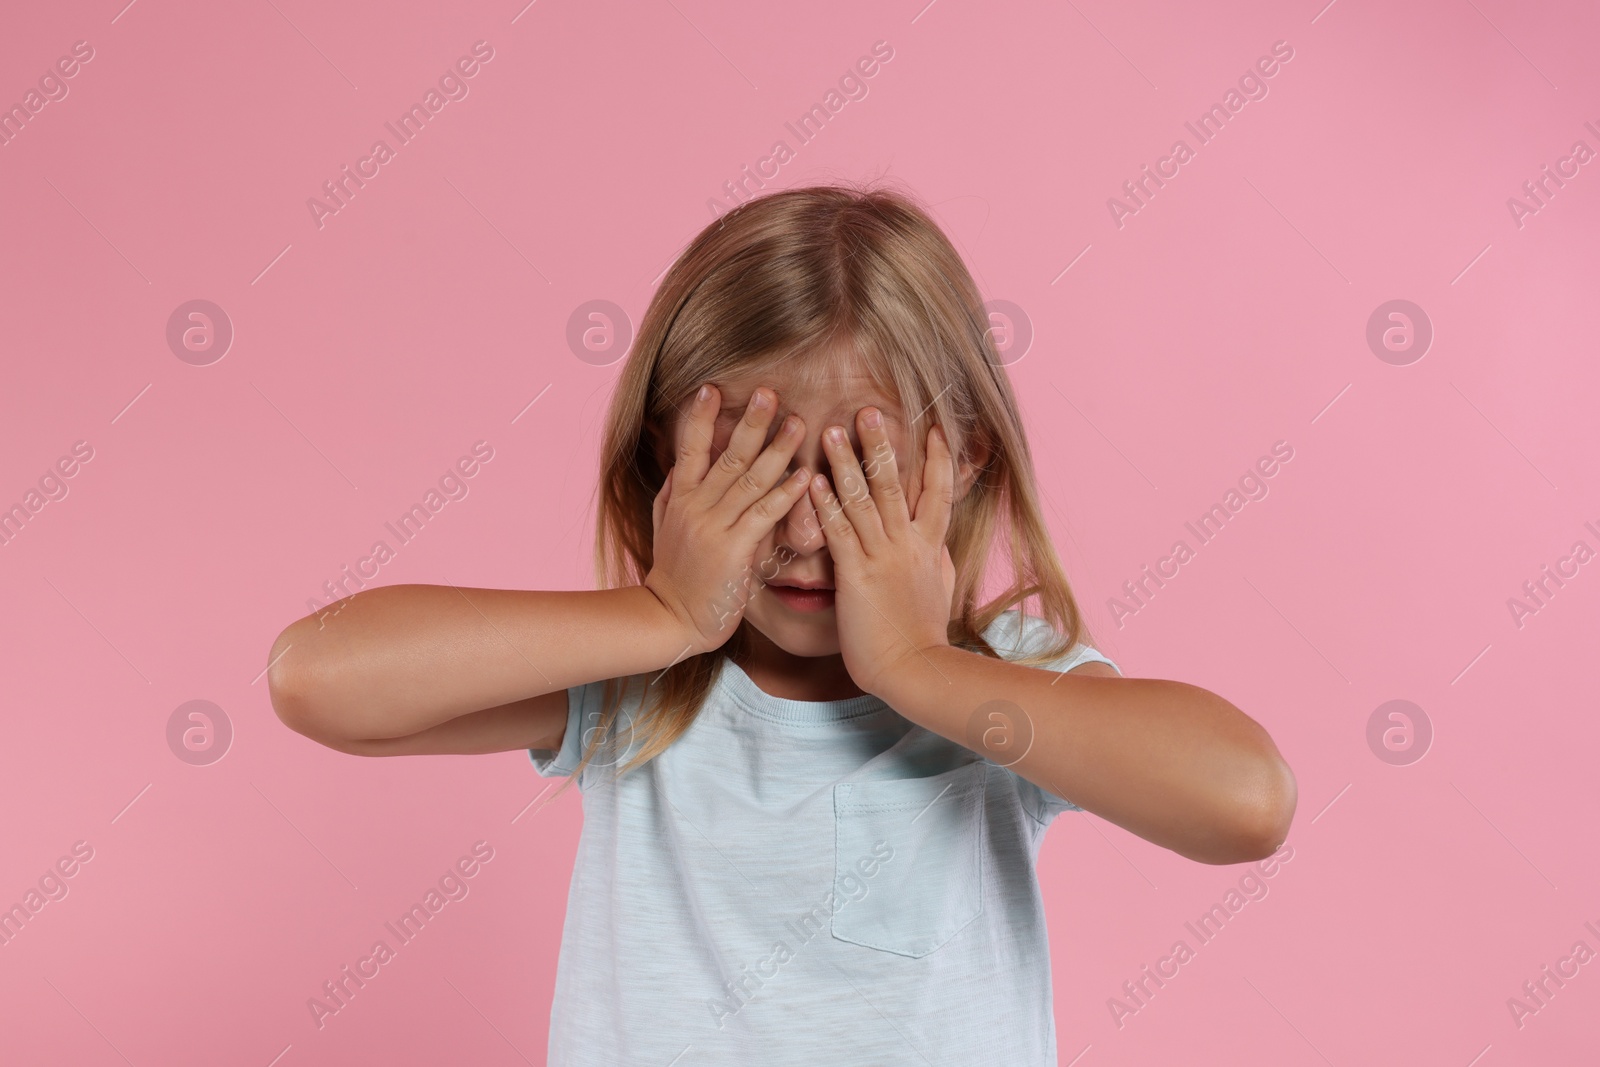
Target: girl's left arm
x=1168 y=761
x=1174 y=763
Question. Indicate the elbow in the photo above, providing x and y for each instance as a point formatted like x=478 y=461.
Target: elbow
x=1267 y=812
x=289 y=670
x=283 y=690
x=301 y=689
x=1256 y=820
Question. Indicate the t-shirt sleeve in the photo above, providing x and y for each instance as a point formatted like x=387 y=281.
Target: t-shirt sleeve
x=582 y=700
x=1044 y=804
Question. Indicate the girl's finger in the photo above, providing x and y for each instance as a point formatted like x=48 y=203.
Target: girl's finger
x=837 y=529
x=767 y=470
x=938 y=482
x=658 y=509
x=947 y=572
x=765 y=513
x=853 y=491
x=694 y=440
x=749 y=437
x=883 y=474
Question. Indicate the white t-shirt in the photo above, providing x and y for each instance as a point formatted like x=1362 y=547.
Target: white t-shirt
x=804 y=882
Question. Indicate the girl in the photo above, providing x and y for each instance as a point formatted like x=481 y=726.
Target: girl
x=816 y=759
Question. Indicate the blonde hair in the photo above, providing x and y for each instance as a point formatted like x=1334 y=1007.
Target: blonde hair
x=797 y=278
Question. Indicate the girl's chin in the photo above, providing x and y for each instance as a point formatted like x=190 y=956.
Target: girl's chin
x=800 y=634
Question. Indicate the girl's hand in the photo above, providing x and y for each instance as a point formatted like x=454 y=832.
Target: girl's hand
x=709 y=519
x=893 y=576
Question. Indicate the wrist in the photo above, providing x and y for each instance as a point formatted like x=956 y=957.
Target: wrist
x=670 y=632
x=916 y=666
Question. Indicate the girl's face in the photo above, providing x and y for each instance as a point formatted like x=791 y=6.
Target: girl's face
x=795 y=551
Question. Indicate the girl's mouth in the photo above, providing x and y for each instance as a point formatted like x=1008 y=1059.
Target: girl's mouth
x=807 y=600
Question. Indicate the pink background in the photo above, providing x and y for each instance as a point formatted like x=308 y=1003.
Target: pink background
x=1229 y=313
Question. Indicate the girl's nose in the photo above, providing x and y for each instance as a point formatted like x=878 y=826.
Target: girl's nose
x=801 y=528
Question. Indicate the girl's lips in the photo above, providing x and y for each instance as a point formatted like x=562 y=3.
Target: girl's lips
x=807 y=600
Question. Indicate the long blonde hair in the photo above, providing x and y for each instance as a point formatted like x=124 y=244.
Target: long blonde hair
x=788 y=278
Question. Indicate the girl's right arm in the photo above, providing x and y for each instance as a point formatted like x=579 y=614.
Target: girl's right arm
x=414 y=669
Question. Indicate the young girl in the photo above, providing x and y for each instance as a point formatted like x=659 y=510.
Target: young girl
x=816 y=758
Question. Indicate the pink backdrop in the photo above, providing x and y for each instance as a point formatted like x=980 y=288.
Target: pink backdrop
x=1440 y=860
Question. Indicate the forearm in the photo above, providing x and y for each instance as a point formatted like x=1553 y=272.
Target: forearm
x=1171 y=762
x=397 y=660
x=531 y=723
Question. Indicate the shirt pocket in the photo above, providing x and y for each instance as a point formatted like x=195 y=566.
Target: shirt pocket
x=908 y=859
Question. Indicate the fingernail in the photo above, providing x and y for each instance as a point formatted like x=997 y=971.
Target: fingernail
x=836 y=434
x=873 y=418
x=704 y=394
